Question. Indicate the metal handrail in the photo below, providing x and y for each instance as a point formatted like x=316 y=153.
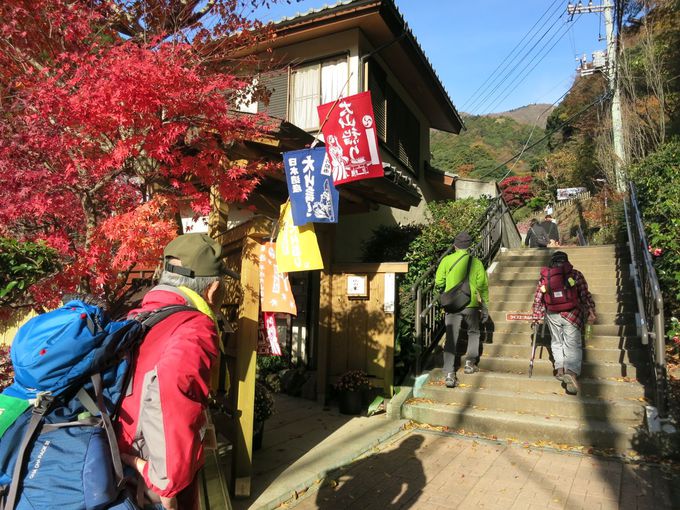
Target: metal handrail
x=649 y=299
x=429 y=321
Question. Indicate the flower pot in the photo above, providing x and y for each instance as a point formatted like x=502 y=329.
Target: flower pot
x=258 y=433
x=350 y=402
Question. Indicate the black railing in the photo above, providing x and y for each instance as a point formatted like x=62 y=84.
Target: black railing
x=429 y=317
x=649 y=299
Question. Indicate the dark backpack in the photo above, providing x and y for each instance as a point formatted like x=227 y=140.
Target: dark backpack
x=559 y=294
x=540 y=236
x=458 y=297
x=58 y=448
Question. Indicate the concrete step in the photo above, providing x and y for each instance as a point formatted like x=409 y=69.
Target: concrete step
x=525 y=293
x=594 y=369
x=598 y=282
x=550 y=404
x=602 y=272
x=590 y=354
x=524 y=427
x=500 y=317
x=572 y=251
x=612 y=388
x=598 y=329
x=598 y=341
x=525 y=306
x=588 y=262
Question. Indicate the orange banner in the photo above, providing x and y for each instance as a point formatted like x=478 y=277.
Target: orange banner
x=275 y=292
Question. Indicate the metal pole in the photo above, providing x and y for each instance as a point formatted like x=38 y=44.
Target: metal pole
x=617 y=117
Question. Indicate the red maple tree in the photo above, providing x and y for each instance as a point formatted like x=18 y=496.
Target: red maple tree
x=113 y=112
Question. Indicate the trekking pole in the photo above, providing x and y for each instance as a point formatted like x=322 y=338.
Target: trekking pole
x=534 y=338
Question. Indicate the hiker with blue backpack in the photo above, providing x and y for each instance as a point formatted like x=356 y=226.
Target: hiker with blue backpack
x=90 y=394
x=161 y=420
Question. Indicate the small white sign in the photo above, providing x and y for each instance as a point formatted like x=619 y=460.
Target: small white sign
x=389 y=292
x=357 y=285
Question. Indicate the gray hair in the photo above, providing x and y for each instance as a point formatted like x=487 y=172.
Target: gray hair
x=198 y=284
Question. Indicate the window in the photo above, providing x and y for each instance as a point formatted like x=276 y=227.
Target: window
x=397 y=127
x=314 y=84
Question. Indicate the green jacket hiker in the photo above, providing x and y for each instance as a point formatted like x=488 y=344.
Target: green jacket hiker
x=447 y=277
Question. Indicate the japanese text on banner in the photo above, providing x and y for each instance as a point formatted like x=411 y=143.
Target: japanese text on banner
x=275 y=292
x=313 y=196
x=296 y=247
x=351 y=139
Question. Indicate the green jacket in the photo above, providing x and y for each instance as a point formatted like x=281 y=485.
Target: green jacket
x=447 y=278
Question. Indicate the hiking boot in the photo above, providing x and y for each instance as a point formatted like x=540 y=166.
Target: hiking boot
x=570 y=383
x=559 y=374
x=450 y=380
x=470 y=367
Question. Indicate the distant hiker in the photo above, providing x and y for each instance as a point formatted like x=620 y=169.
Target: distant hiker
x=550 y=227
x=465 y=273
x=563 y=292
x=548 y=209
x=162 y=420
x=536 y=236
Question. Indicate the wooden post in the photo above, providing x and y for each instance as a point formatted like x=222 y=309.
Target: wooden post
x=246 y=354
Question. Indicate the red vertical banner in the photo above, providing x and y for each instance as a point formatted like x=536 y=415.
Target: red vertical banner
x=268 y=338
x=276 y=294
x=351 y=139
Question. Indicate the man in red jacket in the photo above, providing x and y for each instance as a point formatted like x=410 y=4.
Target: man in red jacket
x=162 y=422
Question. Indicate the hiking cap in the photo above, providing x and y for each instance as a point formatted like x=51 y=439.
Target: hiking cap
x=559 y=257
x=462 y=240
x=200 y=255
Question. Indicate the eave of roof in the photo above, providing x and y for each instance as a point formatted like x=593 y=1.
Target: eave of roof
x=394 y=20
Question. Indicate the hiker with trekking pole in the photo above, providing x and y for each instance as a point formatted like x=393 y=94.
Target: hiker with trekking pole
x=563 y=300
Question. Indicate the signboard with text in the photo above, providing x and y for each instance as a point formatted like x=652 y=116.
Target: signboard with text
x=348 y=127
x=313 y=196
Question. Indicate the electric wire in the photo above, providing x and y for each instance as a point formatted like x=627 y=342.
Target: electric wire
x=490 y=94
x=510 y=69
x=526 y=75
x=467 y=101
x=531 y=133
x=597 y=101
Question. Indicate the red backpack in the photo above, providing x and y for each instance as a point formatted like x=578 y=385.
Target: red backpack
x=559 y=294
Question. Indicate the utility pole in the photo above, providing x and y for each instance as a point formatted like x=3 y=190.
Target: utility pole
x=607 y=8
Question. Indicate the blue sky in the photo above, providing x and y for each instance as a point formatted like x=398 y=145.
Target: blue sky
x=466 y=40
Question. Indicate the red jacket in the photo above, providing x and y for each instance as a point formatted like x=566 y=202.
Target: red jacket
x=171 y=377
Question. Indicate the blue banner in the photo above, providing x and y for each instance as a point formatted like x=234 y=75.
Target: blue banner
x=313 y=196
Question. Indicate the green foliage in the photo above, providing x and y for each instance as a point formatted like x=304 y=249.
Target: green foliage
x=448 y=218
x=487 y=142
x=389 y=243
x=271 y=364
x=264 y=403
x=536 y=203
x=658 y=183
x=21 y=265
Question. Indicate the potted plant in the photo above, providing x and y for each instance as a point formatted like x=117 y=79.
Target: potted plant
x=264 y=408
x=350 y=388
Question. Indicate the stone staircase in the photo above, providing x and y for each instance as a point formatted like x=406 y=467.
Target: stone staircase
x=501 y=401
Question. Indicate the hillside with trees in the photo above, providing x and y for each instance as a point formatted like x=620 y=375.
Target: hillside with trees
x=487 y=142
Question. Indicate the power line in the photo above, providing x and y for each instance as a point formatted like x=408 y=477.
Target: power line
x=599 y=100
x=507 y=63
x=526 y=75
x=489 y=95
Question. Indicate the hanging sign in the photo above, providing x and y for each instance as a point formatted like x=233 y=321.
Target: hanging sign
x=268 y=337
x=296 y=247
x=313 y=196
x=351 y=139
x=276 y=294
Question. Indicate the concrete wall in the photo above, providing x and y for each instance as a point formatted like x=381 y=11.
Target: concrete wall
x=473 y=188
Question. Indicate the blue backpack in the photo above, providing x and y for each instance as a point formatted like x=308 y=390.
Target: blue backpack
x=57 y=443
